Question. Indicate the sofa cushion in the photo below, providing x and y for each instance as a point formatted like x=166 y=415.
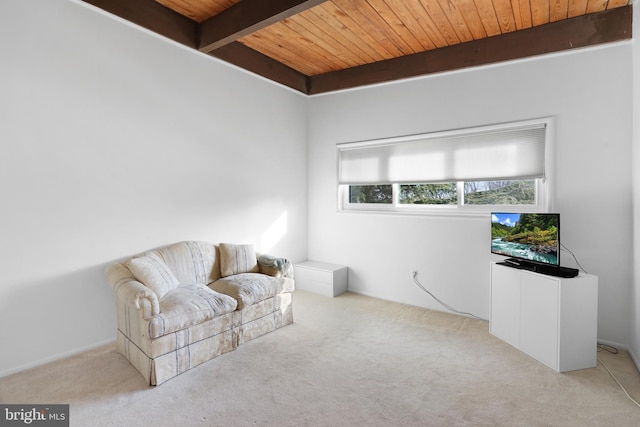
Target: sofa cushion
x=151 y=271
x=237 y=259
x=186 y=306
x=251 y=288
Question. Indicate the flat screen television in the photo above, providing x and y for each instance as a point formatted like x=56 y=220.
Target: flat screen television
x=526 y=237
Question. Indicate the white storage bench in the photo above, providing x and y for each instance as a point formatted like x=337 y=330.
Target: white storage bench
x=322 y=278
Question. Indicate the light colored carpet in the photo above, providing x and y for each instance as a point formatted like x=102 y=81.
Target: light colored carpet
x=346 y=361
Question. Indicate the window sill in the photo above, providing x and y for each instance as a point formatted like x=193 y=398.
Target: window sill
x=438 y=212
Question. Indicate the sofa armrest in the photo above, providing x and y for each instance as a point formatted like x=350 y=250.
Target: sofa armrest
x=131 y=292
x=145 y=299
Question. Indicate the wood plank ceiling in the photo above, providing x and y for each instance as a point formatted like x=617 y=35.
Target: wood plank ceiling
x=317 y=46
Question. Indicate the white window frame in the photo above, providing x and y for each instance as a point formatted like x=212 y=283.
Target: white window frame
x=544 y=187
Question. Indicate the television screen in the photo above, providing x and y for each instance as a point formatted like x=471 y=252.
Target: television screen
x=526 y=236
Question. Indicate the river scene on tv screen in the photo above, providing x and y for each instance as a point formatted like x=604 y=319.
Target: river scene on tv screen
x=530 y=236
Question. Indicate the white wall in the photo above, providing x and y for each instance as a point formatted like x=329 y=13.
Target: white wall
x=115 y=141
x=587 y=91
x=635 y=328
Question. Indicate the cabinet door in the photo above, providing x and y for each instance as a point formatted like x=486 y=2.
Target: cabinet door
x=505 y=304
x=539 y=299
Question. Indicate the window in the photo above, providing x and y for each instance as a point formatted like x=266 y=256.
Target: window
x=464 y=171
x=370 y=194
x=445 y=193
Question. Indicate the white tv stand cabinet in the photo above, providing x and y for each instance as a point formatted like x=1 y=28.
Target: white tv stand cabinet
x=552 y=319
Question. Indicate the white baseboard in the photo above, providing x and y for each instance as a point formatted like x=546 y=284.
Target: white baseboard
x=634 y=357
x=614 y=344
x=54 y=358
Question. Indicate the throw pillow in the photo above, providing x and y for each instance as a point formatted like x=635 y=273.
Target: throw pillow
x=237 y=259
x=151 y=271
x=273 y=266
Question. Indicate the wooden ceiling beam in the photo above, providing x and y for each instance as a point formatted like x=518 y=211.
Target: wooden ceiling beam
x=217 y=37
x=582 y=31
x=153 y=16
x=251 y=60
x=246 y=17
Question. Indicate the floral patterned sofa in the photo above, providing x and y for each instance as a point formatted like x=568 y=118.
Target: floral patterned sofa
x=183 y=304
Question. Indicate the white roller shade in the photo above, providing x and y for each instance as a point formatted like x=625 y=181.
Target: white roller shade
x=468 y=155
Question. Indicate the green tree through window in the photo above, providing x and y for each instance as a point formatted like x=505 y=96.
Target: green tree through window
x=429 y=194
x=371 y=194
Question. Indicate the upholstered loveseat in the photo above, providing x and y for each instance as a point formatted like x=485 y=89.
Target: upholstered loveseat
x=181 y=305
